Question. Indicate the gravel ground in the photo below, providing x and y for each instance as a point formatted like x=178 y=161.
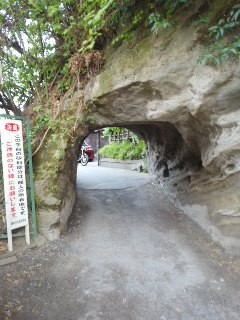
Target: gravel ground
x=127 y=254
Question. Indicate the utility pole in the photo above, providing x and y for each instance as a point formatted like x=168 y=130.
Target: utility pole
x=98 y=145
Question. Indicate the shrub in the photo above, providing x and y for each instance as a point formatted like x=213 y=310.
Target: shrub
x=124 y=151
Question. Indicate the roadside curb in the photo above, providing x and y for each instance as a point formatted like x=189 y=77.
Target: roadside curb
x=122 y=164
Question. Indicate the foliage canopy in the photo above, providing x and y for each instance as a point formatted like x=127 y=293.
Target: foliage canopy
x=39 y=37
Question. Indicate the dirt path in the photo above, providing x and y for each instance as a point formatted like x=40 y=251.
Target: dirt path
x=127 y=255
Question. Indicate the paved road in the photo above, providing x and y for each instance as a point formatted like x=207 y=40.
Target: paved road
x=128 y=254
x=92 y=177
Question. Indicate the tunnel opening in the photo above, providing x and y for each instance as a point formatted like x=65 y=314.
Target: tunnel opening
x=169 y=158
x=176 y=157
x=187 y=115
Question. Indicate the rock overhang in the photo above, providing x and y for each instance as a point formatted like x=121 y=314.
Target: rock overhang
x=188 y=115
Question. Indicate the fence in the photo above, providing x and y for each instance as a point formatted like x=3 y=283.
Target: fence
x=120 y=137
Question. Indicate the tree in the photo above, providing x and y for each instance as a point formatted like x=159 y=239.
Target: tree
x=39 y=37
x=30 y=33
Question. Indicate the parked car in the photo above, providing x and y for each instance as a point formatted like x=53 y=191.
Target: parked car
x=89 y=150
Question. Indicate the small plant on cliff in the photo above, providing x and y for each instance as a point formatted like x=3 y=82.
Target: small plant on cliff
x=225 y=45
x=173 y=5
x=158 y=22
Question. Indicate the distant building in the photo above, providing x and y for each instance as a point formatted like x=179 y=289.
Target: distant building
x=92 y=139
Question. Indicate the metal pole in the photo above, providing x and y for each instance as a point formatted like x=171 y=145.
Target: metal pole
x=98 y=146
x=10 y=242
x=34 y=219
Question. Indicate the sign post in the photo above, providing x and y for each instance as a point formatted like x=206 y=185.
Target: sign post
x=14 y=178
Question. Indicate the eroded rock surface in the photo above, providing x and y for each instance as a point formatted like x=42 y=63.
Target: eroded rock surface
x=189 y=115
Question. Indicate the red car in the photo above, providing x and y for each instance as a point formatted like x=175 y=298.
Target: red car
x=89 y=151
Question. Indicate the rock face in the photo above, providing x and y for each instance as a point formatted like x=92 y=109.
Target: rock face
x=188 y=114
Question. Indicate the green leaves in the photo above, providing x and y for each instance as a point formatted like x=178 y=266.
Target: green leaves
x=219 y=53
x=94 y=22
x=38 y=38
x=28 y=44
x=53 y=10
x=222 y=27
x=172 y=5
x=125 y=150
x=222 y=48
x=226 y=25
x=235 y=13
x=157 y=22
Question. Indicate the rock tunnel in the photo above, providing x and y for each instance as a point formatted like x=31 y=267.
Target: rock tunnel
x=187 y=114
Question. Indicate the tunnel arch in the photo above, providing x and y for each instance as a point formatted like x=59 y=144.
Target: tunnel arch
x=178 y=145
x=187 y=114
x=165 y=144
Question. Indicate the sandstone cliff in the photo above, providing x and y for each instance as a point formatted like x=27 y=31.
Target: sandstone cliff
x=188 y=114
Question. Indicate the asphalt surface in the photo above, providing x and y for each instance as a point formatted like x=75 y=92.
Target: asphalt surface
x=92 y=177
x=128 y=254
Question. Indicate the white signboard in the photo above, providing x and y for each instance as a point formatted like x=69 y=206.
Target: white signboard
x=14 y=174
